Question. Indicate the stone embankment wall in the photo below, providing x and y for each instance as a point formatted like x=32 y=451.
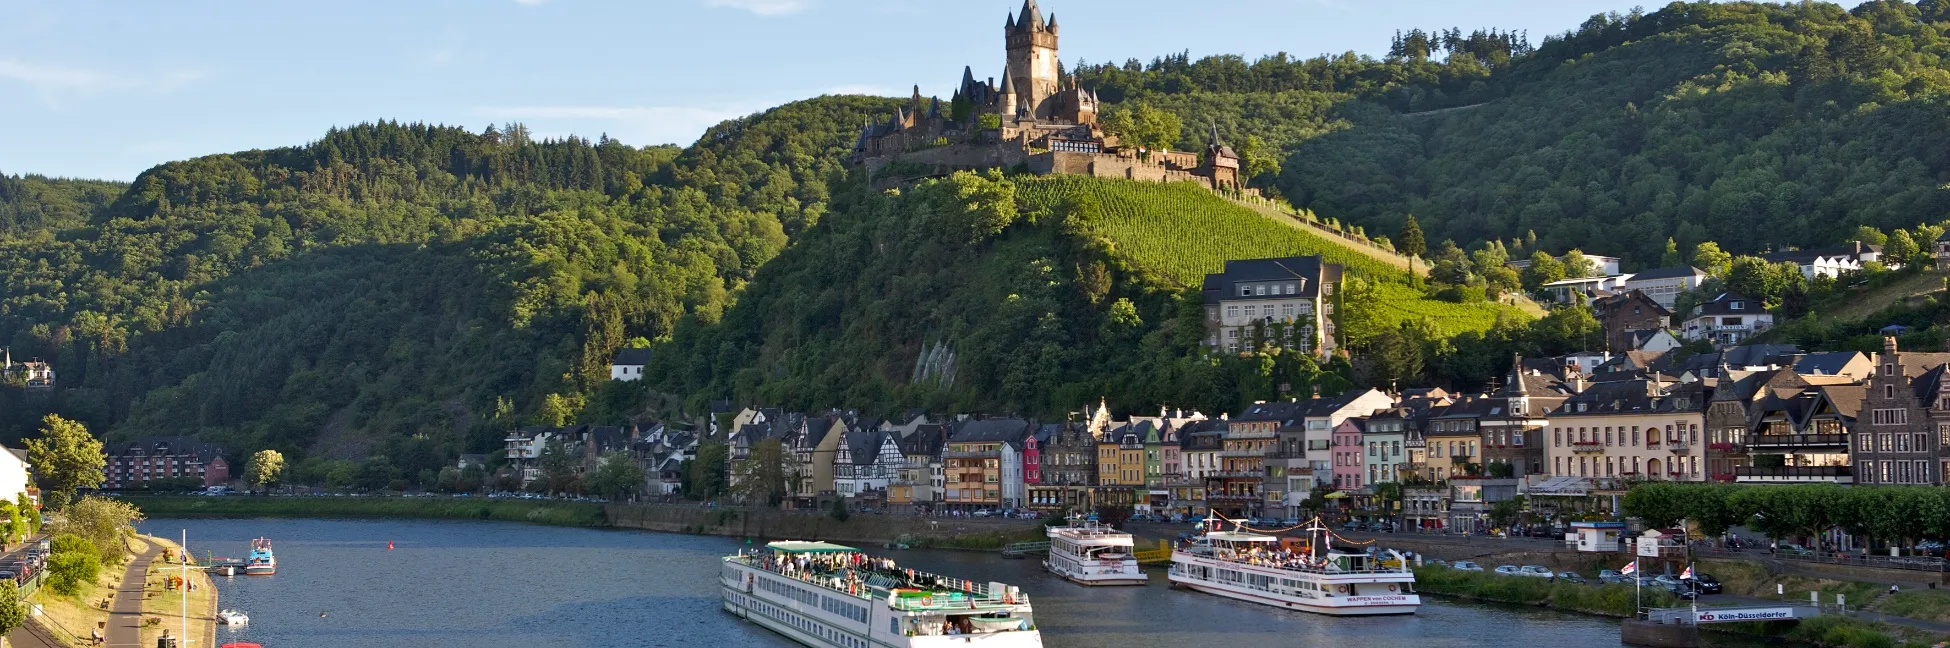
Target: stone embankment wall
x=773 y=524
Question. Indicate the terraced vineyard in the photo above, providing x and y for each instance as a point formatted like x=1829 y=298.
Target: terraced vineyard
x=1179 y=232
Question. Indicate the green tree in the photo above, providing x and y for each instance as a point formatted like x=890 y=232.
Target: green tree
x=1707 y=256
x=73 y=563
x=105 y=523
x=266 y=467
x=705 y=475
x=618 y=478
x=1143 y=125
x=1576 y=265
x=561 y=469
x=1359 y=312
x=1870 y=235
x=768 y=473
x=1410 y=241
x=1543 y=269
x=1901 y=249
x=13 y=611
x=1671 y=257
x=66 y=458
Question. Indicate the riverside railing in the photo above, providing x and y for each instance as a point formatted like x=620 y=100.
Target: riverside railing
x=1910 y=563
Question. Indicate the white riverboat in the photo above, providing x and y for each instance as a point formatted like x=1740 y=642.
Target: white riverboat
x=1090 y=553
x=1310 y=575
x=833 y=596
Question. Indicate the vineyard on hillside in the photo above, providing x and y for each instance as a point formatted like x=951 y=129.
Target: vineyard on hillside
x=1179 y=232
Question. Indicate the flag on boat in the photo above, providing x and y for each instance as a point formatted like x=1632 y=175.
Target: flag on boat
x=1688 y=574
x=1630 y=568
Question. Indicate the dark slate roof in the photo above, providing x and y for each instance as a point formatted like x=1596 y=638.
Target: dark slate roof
x=607 y=437
x=1827 y=364
x=926 y=439
x=1274 y=411
x=1723 y=305
x=816 y=429
x=1002 y=430
x=632 y=357
x=167 y=446
x=864 y=445
x=1310 y=271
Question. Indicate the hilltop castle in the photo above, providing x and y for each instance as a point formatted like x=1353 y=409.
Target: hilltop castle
x=1037 y=118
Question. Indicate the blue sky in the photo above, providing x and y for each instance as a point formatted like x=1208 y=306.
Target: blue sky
x=90 y=88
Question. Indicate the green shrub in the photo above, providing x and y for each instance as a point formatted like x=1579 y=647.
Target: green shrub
x=74 y=562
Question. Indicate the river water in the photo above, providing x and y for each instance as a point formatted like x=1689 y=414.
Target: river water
x=506 y=585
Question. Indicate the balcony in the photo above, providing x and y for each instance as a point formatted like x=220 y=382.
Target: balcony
x=1677 y=446
x=1587 y=446
x=1236 y=474
x=1728 y=448
x=971 y=454
x=1794 y=475
x=1243 y=454
x=1231 y=497
x=1838 y=441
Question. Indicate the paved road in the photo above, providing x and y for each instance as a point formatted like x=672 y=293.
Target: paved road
x=125 y=618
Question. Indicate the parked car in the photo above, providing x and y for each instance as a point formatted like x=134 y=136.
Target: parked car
x=1436 y=561
x=1683 y=590
x=1609 y=576
x=1464 y=565
x=984 y=513
x=1571 y=577
x=1509 y=570
x=1536 y=571
x=1665 y=580
x=1707 y=584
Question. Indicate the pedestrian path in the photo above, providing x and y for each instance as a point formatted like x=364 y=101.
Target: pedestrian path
x=125 y=618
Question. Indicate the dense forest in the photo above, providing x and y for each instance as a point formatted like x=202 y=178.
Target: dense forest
x=399 y=289
x=1758 y=126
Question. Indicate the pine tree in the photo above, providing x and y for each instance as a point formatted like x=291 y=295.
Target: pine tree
x=1671 y=258
x=1410 y=240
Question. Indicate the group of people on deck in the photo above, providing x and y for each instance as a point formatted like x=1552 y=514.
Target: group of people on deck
x=1281 y=558
x=845 y=571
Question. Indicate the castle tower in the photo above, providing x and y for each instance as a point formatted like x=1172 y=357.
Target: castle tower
x=1032 y=58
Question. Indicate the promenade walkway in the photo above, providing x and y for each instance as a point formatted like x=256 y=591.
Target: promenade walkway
x=125 y=618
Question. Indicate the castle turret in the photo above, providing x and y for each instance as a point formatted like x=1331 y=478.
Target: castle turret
x=1005 y=104
x=1032 y=59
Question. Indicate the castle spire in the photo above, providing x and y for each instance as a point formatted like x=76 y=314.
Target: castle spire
x=1516 y=370
x=1032 y=17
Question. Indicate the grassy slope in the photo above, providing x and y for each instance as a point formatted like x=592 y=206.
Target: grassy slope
x=1177 y=233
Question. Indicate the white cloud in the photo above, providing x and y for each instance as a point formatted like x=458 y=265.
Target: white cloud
x=634 y=125
x=764 y=7
x=54 y=83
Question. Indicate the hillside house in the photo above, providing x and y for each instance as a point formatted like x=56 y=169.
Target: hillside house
x=1663 y=285
x=1727 y=320
x=1286 y=302
x=628 y=364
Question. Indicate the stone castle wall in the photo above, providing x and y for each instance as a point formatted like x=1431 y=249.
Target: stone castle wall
x=975 y=157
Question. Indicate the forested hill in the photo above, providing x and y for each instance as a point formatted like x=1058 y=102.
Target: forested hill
x=33 y=204
x=1754 y=125
x=393 y=288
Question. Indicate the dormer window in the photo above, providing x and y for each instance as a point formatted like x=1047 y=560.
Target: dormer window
x=1290 y=289
x=1245 y=291
x=1737 y=305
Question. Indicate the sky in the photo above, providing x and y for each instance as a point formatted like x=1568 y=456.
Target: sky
x=102 y=89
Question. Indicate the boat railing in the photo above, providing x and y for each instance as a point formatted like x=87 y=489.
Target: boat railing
x=1301 y=567
x=973 y=594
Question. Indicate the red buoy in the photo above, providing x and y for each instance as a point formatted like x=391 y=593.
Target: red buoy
x=389 y=545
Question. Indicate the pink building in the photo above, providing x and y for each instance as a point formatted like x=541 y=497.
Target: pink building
x=1350 y=470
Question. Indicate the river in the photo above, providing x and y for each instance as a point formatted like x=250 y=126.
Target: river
x=496 y=585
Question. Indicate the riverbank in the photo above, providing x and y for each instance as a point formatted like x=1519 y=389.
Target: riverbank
x=166 y=606
x=689 y=518
x=1621 y=601
x=550 y=512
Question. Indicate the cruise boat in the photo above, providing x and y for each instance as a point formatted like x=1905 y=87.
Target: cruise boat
x=261 y=562
x=833 y=596
x=1310 y=575
x=1089 y=553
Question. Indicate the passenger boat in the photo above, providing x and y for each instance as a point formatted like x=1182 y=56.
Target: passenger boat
x=1087 y=552
x=833 y=596
x=233 y=618
x=1311 y=575
x=261 y=562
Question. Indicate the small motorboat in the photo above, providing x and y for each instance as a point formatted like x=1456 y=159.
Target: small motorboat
x=233 y=618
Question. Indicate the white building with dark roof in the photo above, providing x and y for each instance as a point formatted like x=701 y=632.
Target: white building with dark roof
x=1727 y=320
x=1663 y=285
x=1257 y=297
